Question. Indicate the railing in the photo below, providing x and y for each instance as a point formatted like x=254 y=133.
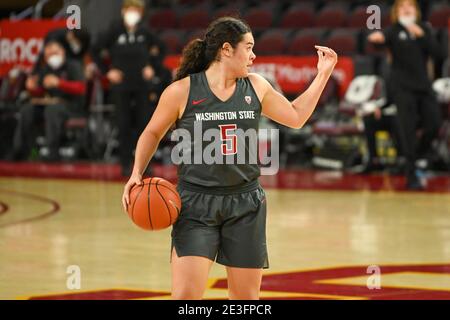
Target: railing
x=60 y=14
x=33 y=11
x=22 y=15
x=38 y=8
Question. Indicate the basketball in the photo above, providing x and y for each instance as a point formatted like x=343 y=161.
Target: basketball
x=155 y=204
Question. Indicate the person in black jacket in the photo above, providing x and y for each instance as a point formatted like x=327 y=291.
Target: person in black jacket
x=136 y=58
x=76 y=44
x=411 y=43
x=57 y=89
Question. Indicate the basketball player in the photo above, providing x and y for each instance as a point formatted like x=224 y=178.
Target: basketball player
x=223 y=214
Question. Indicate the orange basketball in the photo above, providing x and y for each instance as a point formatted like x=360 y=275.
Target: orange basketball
x=155 y=204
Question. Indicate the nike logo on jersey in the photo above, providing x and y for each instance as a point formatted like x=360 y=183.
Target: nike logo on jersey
x=196 y=102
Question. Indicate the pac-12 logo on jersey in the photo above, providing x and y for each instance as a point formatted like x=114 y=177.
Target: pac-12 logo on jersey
x=248 y=99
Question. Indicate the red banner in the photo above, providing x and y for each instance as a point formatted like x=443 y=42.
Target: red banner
x=21 y=41
x=292 y=73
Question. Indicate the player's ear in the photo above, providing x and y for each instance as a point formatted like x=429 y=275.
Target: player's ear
x=227 y=49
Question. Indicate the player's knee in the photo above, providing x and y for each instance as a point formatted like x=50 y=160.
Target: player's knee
x=244 y=294
x=186 y=293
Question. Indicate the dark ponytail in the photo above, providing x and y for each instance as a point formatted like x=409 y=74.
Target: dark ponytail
x=193 y=59
x=200 y=53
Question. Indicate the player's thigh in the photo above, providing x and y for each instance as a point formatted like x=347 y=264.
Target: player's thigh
x=189 y=276
x=243 y=234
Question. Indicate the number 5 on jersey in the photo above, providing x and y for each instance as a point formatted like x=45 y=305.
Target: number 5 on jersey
x=227 y=136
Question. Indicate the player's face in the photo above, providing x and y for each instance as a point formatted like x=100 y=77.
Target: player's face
x=244 y=56
x=406 y=8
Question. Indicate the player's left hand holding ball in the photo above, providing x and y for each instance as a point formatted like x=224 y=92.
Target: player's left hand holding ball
x=135 y=179
x=327 y=60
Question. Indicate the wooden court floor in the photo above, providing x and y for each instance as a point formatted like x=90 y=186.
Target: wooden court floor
x=321 y=243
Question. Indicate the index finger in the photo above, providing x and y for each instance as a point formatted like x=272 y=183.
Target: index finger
x=321 y=47
x=324 y=49
x=124 y=204
x=126 y=192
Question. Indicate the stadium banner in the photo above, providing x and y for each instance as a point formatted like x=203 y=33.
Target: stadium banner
x=21 y=41
x=292 y=73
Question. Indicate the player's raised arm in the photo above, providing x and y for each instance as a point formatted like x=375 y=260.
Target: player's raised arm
x=294 y=114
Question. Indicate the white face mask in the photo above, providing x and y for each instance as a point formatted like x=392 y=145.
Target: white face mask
x=55 y=61
x=406 y=20
x=14 y=73
x=132 y=18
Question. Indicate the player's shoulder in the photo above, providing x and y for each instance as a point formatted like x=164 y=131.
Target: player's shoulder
x=257 y=78
x=179 y=86
x=178 y=89
x=259 y=83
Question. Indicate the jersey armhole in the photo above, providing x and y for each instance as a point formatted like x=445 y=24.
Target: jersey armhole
x=256 y=95
x=188 y=99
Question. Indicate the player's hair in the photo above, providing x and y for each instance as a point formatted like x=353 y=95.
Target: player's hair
x=200 y=53
x=394 y=10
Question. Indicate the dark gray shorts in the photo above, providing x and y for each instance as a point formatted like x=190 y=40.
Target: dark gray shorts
x=227 y=228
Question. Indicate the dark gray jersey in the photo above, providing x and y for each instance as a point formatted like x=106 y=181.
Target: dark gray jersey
x=223 y=147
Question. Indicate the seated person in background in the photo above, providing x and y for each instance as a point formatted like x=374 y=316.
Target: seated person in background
x=12 y=92
x=381 y=118
x=57 y=89
x=76 y=44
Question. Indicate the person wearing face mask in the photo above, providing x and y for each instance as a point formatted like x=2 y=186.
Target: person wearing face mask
x=136 y=57
x=57 y=91
x=411 y=43
x=76 y=44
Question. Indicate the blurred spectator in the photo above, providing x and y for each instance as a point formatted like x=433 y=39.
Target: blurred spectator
x=12 y=93
x=136 y=59
x=382 y=118
x=411 y=43
x=76 y=44
x=57 y=89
